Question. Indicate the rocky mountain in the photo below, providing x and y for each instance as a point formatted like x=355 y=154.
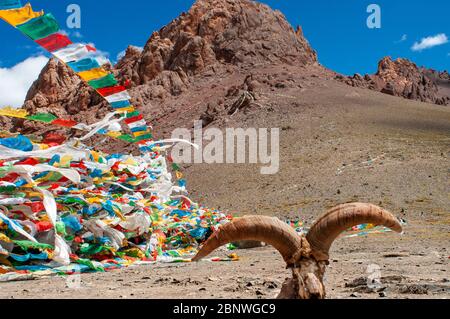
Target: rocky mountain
x=215 y=37
x=219 y=58
x=405 y=79
x=233 y=32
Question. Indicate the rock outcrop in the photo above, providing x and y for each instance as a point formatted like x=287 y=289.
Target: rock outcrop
x=6 y=124
x=405 y=79
x=61 y=92
x=224 y=31
x=58 y=90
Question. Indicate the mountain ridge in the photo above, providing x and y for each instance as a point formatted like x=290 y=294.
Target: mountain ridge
x=403 y=78
x=215 y=50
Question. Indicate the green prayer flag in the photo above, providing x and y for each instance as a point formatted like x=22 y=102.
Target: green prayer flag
x=144 y=137
x=103 y=82
x=92 y=249
x=26 y=244
x=42 y=117
x=61 y=228
x=133 y=114
x=40 y=27
x=90 y=264
x=126 y=138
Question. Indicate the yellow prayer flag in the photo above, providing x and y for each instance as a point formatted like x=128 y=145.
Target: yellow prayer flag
x=94 y=200
x=65 y=161
x=43 y=146
x=114 y=134
x=130 y=161
x=34 y=194
x=137 y=134
x=20 y=16
x=4 y=238
x=128 y=109
x=95 y=155
x=10 y=112
x=93 y=74
x=135 y=183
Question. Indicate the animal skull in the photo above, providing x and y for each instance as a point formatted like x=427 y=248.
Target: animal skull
x=307 y=256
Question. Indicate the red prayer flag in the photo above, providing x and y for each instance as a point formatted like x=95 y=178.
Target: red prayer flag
x=143 y=142
x=134 y=119
x=28 y=161
x=90 y=48
x=111 y=90
x=54 y=138
x=54 y=42
x=65 y=123
x=43 y=226
x=127 y=83
x=11 y=177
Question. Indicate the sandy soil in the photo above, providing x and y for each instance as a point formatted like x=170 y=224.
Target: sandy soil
x=327 y=128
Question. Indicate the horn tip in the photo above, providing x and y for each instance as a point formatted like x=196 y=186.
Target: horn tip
x=196 y=258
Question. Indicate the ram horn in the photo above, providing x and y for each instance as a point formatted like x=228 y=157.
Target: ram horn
x=328 y=227
x=259 y=228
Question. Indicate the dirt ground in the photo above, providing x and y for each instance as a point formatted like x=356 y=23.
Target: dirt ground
x=405 y=273
x=329 y=135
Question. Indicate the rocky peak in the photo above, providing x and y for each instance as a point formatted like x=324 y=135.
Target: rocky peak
x=220 y=31
x=385 y=63
x=126 y=65
x=389 y=69
x=444 y=75
x=211 y=37
x=53 y=75
x=58 y=90
x=404 y=78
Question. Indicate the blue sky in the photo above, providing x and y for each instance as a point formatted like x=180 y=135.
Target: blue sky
x=335 y=28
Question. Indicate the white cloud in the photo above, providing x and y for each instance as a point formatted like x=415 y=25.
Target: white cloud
x=77 y=35
x=429 y=42
x=101 y=56
x=402 y=39
x=98 y=51
x=122 y=53
x=15 y=81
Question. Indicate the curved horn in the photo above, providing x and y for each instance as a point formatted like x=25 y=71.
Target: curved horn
x=259 y=228
x=328 y=227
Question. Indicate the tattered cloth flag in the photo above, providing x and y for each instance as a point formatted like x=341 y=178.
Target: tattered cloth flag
x=84 y=60
x=127 y=213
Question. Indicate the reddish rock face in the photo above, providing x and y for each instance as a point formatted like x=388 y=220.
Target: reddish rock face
x=214 y=33
x=5 y=123
x=405 y=79
x=59 y=91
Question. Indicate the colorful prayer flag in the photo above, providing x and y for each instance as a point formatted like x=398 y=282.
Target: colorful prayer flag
x=39 y=28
